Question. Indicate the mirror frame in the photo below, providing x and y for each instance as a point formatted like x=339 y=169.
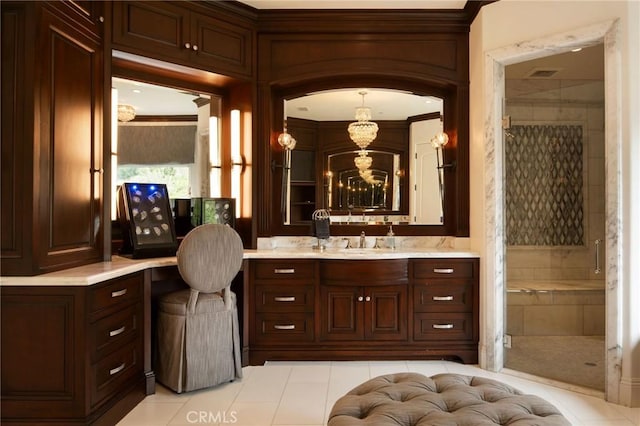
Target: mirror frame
x=456 y=180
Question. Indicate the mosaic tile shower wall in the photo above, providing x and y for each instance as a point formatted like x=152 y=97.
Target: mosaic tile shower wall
x=544 y=184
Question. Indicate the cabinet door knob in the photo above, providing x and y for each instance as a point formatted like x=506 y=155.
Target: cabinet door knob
x=195 y=47
x=101 y=19
x=360 y=298
x=187 y=45
x=367 y=299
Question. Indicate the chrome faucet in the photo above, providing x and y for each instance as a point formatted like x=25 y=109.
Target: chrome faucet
x=363 y=240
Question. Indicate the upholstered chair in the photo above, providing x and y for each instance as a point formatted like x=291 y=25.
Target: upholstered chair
x=198 y=333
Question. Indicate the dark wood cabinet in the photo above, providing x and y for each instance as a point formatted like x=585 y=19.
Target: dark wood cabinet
x=185 y=33
x=52 y=124
x=362 y=309
x=72 y=354
x=283 y=300
x=445 y=305
x=368 y=305
x=364 y=313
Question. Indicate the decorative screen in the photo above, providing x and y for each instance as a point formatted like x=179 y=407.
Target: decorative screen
x=544 y=185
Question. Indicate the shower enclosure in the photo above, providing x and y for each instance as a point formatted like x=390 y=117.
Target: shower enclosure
x=554 y=228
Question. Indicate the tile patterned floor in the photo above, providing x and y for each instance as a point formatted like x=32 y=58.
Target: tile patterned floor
x=302 y=393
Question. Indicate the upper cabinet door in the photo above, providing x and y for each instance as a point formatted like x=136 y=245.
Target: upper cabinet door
x=177 y=33
x=52 y=180
x=152 y=29
x=224 y=47
x=69 y=175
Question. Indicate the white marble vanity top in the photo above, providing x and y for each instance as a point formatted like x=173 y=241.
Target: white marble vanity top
x=119 y=266
x=356 y=253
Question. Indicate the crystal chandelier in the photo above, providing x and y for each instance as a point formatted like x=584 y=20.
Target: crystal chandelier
x=363 y=131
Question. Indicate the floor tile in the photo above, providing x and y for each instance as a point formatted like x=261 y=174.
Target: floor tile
x=294 y=393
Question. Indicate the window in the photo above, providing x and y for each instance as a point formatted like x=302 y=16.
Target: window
x=176 y=177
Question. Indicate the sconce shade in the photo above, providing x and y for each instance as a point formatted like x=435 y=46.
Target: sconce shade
x=363 y=131
x=286 y=140
x=439 y=140
x=126 y=113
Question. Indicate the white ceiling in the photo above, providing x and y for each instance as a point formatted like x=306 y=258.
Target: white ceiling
x=339 y=105
x=149 y=99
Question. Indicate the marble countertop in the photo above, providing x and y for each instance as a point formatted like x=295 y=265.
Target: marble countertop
x=118 y=266
x=357 y=253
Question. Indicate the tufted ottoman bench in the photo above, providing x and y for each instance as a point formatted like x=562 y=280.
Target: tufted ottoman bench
x=411 y=399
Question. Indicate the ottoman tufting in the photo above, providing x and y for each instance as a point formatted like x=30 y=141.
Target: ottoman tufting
x=411 y=399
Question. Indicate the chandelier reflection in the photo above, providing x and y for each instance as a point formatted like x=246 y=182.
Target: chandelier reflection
x=363 y=131
x=126 y=113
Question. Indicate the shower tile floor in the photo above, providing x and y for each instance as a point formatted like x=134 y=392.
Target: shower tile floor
x=577 y=360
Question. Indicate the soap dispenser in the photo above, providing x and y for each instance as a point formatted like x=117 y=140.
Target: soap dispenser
x=391 y=238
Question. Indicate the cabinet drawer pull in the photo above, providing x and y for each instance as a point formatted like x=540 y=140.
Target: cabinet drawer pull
x=442 y=298
x=117 y=369
x=285 y=298
x=284 y=327
x=118 y=331
x=284 y=271
x=119 y=293
x=443 y=270
x=443 y=326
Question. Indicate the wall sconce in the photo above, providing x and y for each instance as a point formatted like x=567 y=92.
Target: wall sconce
x=438 y=142
x=288 y=143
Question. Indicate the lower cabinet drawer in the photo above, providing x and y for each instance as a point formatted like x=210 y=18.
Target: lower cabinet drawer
x=443 y=297
x=112 y=373
x=443 y=326
x=114 y=331
x=119 y=291
x=273 y=327
x=284 y=269
x=284 y=298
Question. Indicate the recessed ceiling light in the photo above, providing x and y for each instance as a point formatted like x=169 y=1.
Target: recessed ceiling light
x=577 y=49
x=136 y=91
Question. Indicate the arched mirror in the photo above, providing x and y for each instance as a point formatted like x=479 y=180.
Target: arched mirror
x=365 y=154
